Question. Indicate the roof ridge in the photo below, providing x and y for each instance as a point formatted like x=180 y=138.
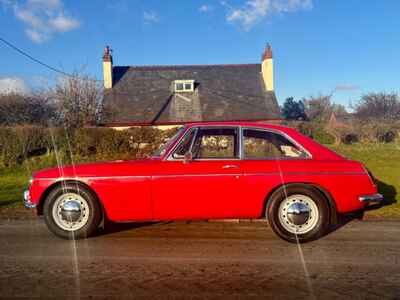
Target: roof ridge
x=188 y=66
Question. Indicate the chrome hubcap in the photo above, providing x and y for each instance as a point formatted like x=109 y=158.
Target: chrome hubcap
x=70 y=212
x=298 y=214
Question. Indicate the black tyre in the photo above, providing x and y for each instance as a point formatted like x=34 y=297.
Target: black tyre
x=298 y=213
x=72 y=211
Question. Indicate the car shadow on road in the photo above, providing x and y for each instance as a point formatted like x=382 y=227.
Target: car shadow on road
x=342 y=220
x=112 y=227
x=9 y=202
x=388 y=191
x=389 y=194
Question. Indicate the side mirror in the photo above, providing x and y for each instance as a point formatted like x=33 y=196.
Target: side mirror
x=188 y=157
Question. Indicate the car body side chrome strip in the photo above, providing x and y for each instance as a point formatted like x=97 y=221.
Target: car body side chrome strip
x=304 y=173
x=91 y=177
x=203 y=175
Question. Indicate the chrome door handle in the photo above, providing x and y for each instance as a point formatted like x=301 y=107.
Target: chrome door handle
x=230 y=167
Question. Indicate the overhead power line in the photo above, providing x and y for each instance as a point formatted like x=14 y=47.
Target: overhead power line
x=15 y=48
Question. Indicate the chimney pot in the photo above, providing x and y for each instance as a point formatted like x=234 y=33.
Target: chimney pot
x=107 y=54
x=267 y=68
x=267 y=52
x=107 y=68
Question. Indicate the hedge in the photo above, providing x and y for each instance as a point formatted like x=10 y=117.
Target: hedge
x=368 y=132
x=91 y=144
x=314 y=130
x=20 y=143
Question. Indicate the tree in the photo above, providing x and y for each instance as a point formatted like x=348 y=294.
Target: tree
x=384 y=106
x=339 y=109
x=17 y=109
x=318 y=108
x=293 y=110
x=78 y=100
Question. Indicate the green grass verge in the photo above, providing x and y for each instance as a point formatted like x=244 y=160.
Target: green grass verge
x=382 y=159
x=14 y=180
x=12 y=184
x=384 y=162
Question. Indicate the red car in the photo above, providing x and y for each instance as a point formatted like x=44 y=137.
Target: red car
x=210 y=171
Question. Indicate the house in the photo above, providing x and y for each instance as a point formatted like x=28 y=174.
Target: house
x=342 y=120
x=173 y=95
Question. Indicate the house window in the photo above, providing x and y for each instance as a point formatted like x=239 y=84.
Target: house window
x=182 y=86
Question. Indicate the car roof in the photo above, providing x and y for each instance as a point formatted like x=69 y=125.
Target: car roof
x=240 y=123
x=317 y=150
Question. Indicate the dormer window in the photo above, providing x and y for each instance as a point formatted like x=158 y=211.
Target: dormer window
x=183 y=86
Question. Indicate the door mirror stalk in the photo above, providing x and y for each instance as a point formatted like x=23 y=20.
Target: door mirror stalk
x=188 y=157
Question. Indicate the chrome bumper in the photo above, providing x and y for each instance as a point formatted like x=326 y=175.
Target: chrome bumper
x=27 y=201
x=375 y=198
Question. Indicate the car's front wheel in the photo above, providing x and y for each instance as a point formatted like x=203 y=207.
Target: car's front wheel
x=72 y=211
x=298 y=213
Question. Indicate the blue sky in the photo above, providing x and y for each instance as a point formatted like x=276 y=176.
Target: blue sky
x=348 y=47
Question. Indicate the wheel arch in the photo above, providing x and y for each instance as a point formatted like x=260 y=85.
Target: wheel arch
x=61 y=183
x=333 y=216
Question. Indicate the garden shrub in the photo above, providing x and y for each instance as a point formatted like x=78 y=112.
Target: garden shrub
x=386 y=137
x=349 y=138
x=306 y=128
x=85 y=144
x=378 y=131
x=22 y=142
x=323 y=137
x=314 y=130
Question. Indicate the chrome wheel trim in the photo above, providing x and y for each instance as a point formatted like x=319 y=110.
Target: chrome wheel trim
x=69 y=200
x=289 y=208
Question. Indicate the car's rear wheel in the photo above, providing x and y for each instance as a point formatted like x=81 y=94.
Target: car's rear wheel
x=298 y=213
x=72 y=211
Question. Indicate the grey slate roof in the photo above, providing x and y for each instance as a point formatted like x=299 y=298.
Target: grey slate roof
x=144 y=95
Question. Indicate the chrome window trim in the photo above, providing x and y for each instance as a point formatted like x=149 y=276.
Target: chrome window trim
x=170 y=154
x=162 y=156
x=169 y=151
x=241 y=151
x=290 y=139
x=197 y=127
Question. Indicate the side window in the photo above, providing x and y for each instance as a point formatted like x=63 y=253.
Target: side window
x=260 y=144
x=216 y=143
x=184 y=145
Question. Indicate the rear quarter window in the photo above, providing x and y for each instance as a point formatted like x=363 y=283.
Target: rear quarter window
x=261 y=144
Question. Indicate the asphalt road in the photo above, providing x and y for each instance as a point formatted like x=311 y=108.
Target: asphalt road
x=200 y=260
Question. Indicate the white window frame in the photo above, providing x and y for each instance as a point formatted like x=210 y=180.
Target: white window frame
x=184 y=83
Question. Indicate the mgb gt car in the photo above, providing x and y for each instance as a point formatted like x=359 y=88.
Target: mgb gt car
x=216 y=170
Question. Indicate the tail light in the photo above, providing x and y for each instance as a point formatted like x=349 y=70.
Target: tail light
x=371 y=176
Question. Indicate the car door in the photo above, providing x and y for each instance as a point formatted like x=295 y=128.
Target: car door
x=267 y=155
x=207 y=186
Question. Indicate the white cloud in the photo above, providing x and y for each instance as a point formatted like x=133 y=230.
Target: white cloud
x=35 y=36
x=254 y=11
x=150 y=17
x=205 y=8
x=62 y=23
x=10 y=85
x=43 y=18
x=346 y=87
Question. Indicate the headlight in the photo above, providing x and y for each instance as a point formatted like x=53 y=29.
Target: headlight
x=30 y=181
